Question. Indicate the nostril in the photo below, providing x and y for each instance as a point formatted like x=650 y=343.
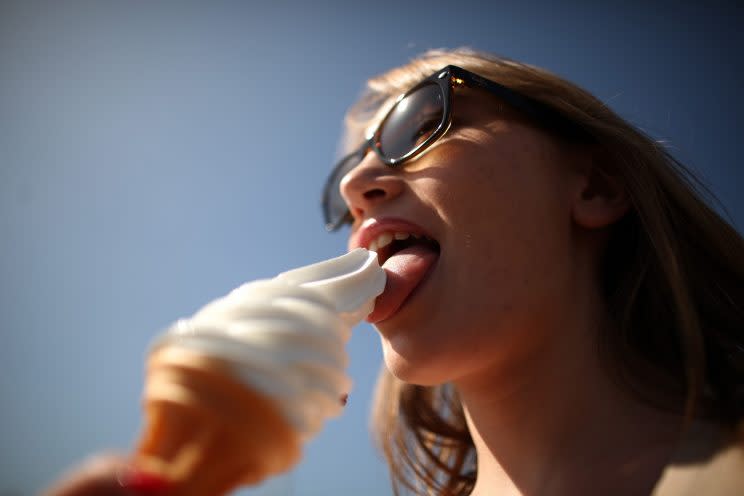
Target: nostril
x=373 y=193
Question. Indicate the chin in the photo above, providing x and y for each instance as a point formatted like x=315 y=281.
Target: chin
x=419 y=370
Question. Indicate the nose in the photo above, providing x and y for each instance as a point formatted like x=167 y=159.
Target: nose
x=370 y=185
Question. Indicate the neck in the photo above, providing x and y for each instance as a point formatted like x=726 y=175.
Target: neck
x=558 y=425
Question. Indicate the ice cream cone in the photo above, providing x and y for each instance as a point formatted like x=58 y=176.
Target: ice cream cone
x=234 y=391
x=205 y=431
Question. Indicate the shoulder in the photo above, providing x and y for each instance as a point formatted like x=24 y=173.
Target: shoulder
x=709 y=461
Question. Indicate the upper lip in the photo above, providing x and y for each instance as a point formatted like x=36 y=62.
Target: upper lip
x=372 y=228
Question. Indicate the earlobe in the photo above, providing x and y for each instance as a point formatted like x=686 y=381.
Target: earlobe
x=600 y=199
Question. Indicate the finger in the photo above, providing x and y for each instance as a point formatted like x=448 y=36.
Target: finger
x=143 y=483
x=109 y=476
x=97 y=476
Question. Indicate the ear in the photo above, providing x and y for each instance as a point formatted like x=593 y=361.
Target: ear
x=599 y=198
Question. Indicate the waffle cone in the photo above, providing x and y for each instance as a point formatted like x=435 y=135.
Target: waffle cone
x=205 y=431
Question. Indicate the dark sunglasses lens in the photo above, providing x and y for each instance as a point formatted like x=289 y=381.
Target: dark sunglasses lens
x=335 y=209
x=411 y=122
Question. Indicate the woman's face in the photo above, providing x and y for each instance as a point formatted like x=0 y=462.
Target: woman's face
x=495 y=195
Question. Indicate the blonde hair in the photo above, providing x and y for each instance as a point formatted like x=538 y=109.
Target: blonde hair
x=673 y=284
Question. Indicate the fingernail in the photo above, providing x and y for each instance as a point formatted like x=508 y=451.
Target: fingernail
x=144 y=483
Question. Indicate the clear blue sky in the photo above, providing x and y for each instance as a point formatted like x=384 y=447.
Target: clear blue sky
x=153 y=155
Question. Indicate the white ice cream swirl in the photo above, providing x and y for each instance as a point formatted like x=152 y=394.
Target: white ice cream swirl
x=286 y=336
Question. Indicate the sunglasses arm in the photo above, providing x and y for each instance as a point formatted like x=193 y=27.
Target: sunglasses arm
x=541 y=113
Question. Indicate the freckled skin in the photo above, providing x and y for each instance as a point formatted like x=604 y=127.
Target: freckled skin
x=496 y=193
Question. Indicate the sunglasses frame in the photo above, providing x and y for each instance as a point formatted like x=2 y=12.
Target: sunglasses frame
x=448 y=79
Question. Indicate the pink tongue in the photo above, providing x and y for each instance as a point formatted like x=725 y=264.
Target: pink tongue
x=405 y=270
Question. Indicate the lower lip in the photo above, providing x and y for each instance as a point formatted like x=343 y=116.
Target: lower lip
x=405 y=270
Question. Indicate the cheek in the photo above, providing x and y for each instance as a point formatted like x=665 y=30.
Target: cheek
x=511 y=239
x=503 y=216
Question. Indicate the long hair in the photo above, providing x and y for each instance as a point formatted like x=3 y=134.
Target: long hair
x=672 y=273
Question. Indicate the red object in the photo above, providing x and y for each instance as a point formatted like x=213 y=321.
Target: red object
x=144 y=483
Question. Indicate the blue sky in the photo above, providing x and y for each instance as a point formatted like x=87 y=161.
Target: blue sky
x=154 y=155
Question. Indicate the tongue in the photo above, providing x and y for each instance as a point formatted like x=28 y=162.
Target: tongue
x=405 y=270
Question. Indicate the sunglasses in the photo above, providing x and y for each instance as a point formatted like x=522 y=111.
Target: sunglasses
x=422 y=115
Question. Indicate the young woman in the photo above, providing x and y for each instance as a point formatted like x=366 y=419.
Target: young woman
x=571 y=319
x=564 y=314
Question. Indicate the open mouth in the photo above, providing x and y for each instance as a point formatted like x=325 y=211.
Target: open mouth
x=407 y=259
x=387 y=245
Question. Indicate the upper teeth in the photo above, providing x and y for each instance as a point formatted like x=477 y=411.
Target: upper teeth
x=386 y=238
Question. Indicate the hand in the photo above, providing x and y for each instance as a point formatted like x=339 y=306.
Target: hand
x=107 y=475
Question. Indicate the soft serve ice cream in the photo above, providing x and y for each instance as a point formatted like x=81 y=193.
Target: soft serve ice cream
x=233 y=391
x=286 y=336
